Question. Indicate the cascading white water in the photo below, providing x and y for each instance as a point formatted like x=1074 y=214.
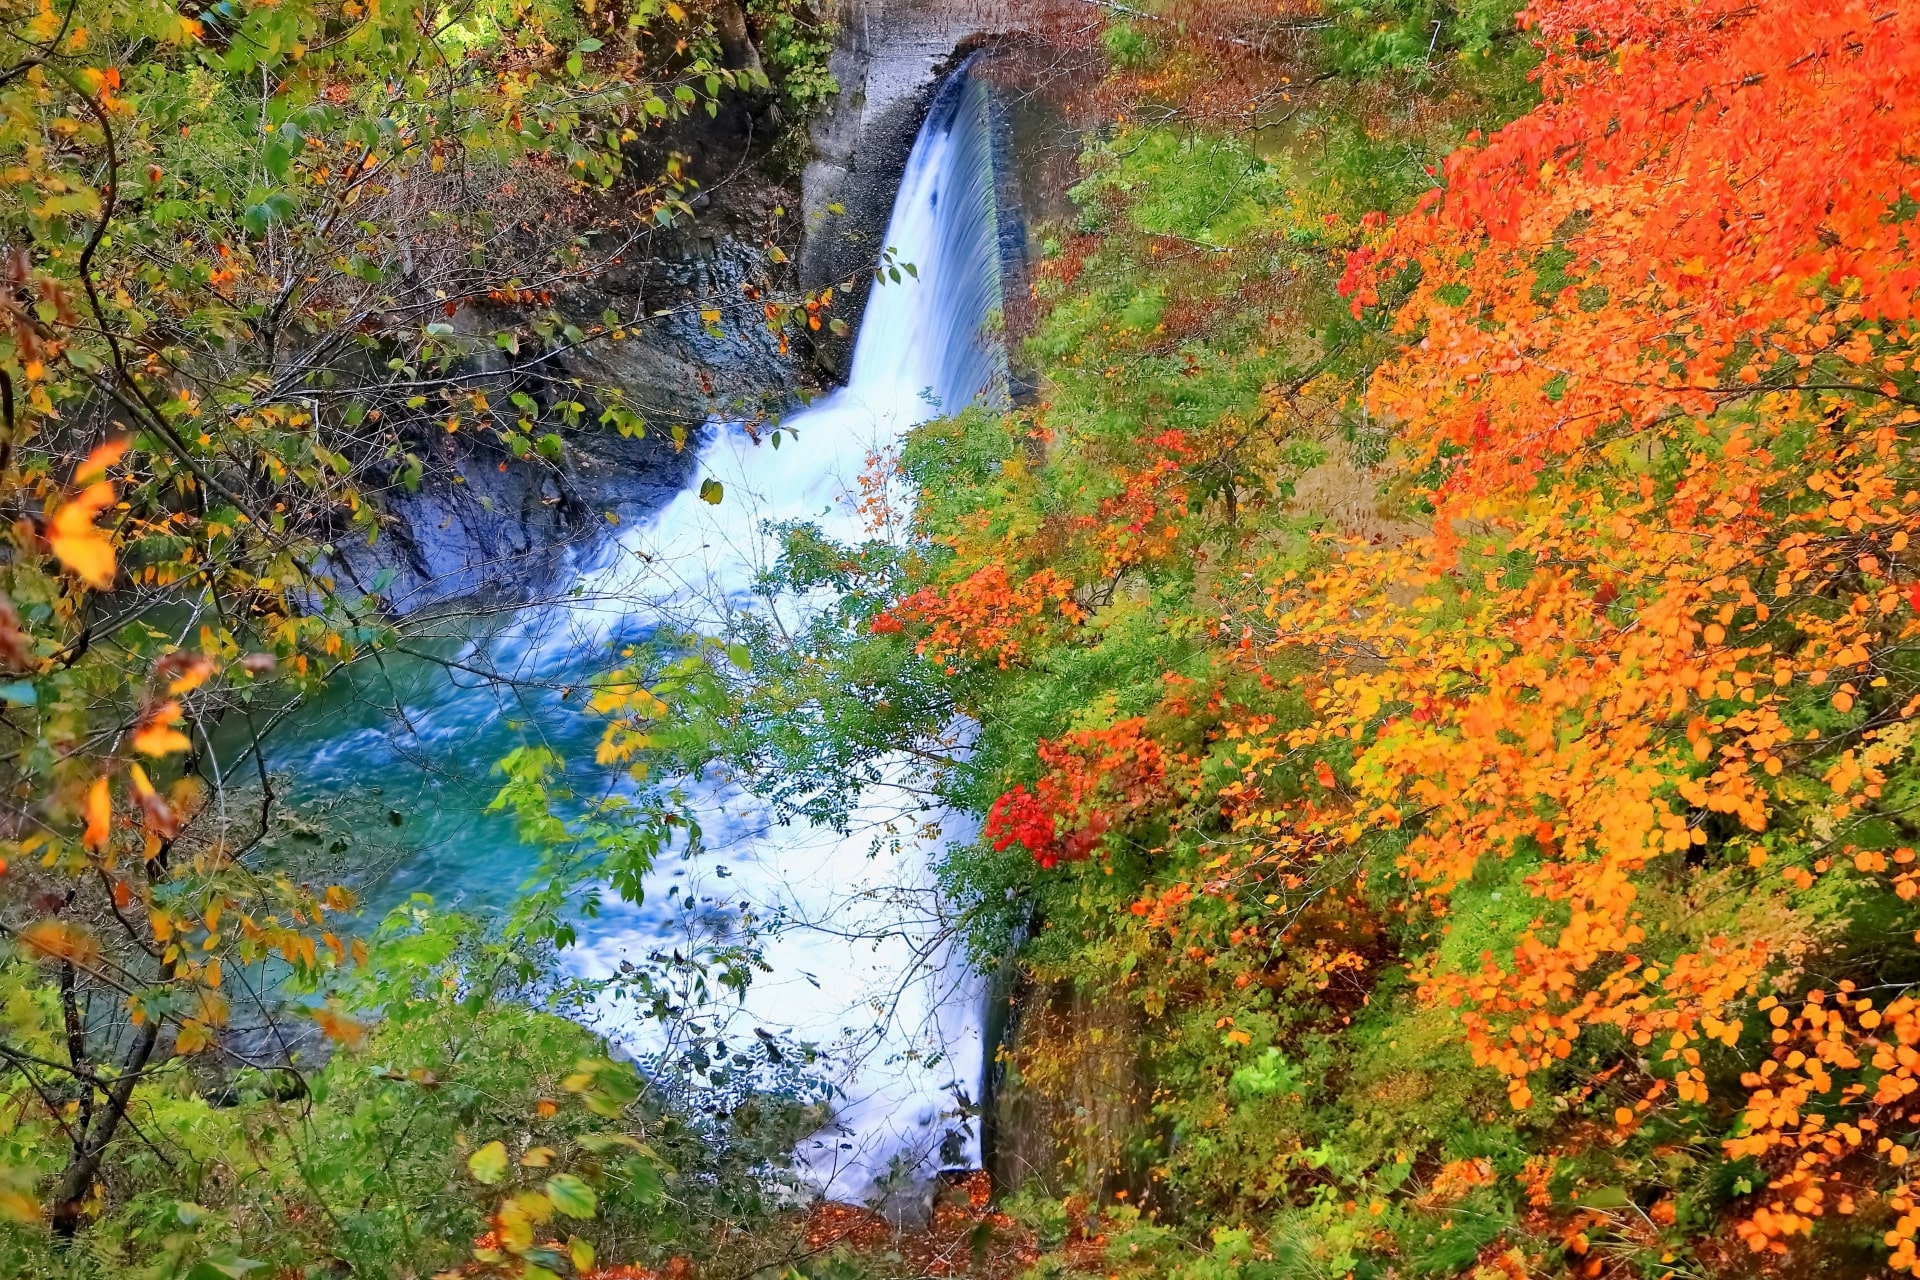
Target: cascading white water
x=862 y=965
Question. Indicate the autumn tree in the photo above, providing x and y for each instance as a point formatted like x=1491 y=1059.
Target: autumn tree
x=252 y=254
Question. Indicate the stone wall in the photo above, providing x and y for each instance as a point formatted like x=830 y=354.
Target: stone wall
x=1066 y=1094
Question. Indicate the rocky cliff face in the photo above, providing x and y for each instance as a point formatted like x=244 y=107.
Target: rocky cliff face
x=482 y=523
x=1066 y=1092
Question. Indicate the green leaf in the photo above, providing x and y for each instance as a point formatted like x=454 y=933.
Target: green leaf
x=740 y=656
x=225 y=1266
x=712 y=491
x=277 y=207
x=571 y=1196
x=489 y=1164
x=607 y=1087
x=589 y=45
x=599 y=1143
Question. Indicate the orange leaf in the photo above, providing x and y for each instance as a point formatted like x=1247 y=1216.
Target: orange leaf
x=159 y=818
x=339 y=1028
x=94 y=469
x=58 y=940
x=183 y=672
x=99 y=816
x=81 y=546
x=156 y=736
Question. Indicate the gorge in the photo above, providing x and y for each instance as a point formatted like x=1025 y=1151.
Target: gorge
x=861 y=948
x=917 y=639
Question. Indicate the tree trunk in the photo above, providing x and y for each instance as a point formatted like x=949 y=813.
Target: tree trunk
x=736 y=41
x=91 y=1145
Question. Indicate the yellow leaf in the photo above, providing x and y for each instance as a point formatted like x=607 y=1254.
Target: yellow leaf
x=187 y=796
x=193 y=1037
x=17 y=1206
x=535 y=1205
x=489 y=1164
x=514 y=1227
x=80 y=546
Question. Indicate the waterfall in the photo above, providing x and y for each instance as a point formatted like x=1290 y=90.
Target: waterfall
x=927 y=346
x=931 y=333
x=860 y=965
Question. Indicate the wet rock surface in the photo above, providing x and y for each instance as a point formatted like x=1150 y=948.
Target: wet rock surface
x=481 y=524
x=485 y=523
